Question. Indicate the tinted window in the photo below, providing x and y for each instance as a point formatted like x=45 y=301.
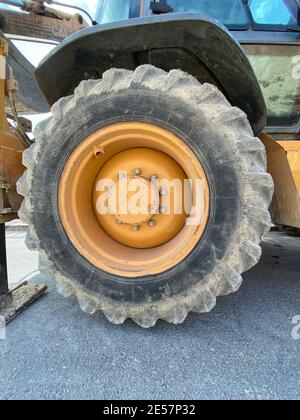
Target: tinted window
x=231 y=13
x=113 y=10
x=274 y=12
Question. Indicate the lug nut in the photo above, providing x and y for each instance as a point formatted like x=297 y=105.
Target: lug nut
x=137 y=171
x=152 y=223
x=154 y=177
x=135 y=228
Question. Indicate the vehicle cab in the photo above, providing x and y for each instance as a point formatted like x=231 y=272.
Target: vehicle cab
x=269 y=32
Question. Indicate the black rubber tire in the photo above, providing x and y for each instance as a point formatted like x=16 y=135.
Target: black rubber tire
x=235 y=164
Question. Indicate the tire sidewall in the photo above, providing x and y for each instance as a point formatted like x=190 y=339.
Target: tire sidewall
x=200 y=133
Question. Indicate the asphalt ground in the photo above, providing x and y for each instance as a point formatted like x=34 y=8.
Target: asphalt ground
x=247 y=348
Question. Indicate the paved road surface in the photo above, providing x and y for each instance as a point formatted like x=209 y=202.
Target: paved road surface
x=243 y=349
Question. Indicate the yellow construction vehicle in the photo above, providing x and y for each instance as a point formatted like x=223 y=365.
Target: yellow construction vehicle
x=149 y=189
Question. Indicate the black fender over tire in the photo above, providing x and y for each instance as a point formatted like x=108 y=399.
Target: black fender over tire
x=235 y=164
x=193 y=42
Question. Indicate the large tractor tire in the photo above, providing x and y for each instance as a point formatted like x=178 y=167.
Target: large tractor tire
x=162 y=123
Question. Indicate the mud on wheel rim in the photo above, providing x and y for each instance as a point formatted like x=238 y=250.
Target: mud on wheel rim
x=138 y=244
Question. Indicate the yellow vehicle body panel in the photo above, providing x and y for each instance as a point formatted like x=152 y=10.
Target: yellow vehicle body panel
x=284 y=166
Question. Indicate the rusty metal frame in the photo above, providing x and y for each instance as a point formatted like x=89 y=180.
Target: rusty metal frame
x=3 y=263
x=33 y=25
x=11 y=149
x=11 y=302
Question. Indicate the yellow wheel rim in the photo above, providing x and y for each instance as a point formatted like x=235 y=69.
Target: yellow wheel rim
x=139 y=244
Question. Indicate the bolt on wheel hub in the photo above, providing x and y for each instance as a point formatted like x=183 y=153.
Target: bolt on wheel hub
x=136 y=219
x=140 y=217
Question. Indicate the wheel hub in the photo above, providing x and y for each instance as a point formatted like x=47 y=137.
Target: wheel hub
x=141 y=214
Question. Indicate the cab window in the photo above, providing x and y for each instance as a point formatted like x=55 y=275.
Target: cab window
x=277 y=68
x=113 y=10
x=231 y=13
x=274 y=12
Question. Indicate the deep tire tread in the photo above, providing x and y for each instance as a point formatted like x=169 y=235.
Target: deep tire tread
x=258 y=190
